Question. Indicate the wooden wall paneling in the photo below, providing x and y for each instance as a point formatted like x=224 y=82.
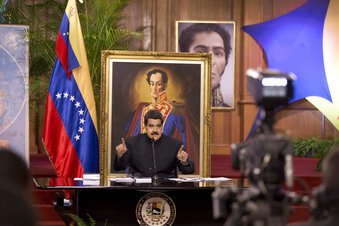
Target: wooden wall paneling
x=204 y=9
x=282 y=7
x=324 y=127
x=174 y=13
x=162 y=25
x=33 y=142
x=300 y=123
x=226 y=122
x=148 y=21
x=199 y=10
x=255 y=53
x=249 y=113
x=230 y=126
x=252 y=58
x=252 y=52
x=303 y=120
x=238 y=17
x=224 y=129
x=221 y=129
x=132 y=21
x=140 y=14
x=329 y=131
x=40 y=130
x=268 y=6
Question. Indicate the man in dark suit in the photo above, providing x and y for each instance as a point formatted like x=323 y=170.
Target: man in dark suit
x=153 y=153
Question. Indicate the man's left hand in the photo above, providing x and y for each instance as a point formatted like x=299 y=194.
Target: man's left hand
x=182 y=155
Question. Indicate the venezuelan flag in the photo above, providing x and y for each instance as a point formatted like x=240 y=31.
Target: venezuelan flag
x=70 y=130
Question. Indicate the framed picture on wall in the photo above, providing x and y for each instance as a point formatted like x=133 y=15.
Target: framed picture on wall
x=14 y=87
x=126 y=96
x=217 y=38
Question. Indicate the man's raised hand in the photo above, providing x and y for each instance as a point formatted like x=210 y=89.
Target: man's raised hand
x=182 y=155
x=121 y=148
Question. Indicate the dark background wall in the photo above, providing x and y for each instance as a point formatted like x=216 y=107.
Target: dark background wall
x=300 y=119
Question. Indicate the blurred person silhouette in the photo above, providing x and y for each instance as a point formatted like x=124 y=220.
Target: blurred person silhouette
x=15 y=210
x=325 y=197
x=15 y=194
x=14 y=172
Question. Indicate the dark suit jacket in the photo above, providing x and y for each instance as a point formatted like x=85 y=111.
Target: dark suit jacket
x=139 y=157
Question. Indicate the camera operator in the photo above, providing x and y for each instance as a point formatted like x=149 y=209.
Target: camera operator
x=325 y=198
x=266 y=160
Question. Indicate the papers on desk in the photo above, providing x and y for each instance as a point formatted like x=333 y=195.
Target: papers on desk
x=91 y=179
x=143 y=180
x=204 y=179
x=216 y=179
x=149 y=180
x=91 y=176
x=91 y=182
x=122 y=179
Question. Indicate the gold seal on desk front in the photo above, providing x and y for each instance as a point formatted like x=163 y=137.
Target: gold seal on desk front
x=155 y=208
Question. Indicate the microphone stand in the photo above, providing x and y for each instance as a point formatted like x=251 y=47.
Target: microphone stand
x=155 y=178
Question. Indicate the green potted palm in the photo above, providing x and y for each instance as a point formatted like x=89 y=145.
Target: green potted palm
x=314 y=147
x=100 y=27
x=100 y=21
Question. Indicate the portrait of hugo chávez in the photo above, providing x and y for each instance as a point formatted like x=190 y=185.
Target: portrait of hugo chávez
x=216 y=38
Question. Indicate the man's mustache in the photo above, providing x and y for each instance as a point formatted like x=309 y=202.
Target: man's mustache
x=155 y=133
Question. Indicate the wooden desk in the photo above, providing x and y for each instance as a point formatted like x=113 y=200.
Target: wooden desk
x=116 y=204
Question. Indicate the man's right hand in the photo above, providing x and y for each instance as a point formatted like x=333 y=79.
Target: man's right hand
x=121 y=148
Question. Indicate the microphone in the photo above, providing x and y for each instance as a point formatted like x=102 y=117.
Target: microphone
x=155 y=177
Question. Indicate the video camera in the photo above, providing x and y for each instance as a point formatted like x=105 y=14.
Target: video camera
x=270 y=88
x=266 y=160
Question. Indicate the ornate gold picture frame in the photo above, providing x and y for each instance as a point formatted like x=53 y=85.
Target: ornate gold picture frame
x=207 y=36
x=124 y=89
